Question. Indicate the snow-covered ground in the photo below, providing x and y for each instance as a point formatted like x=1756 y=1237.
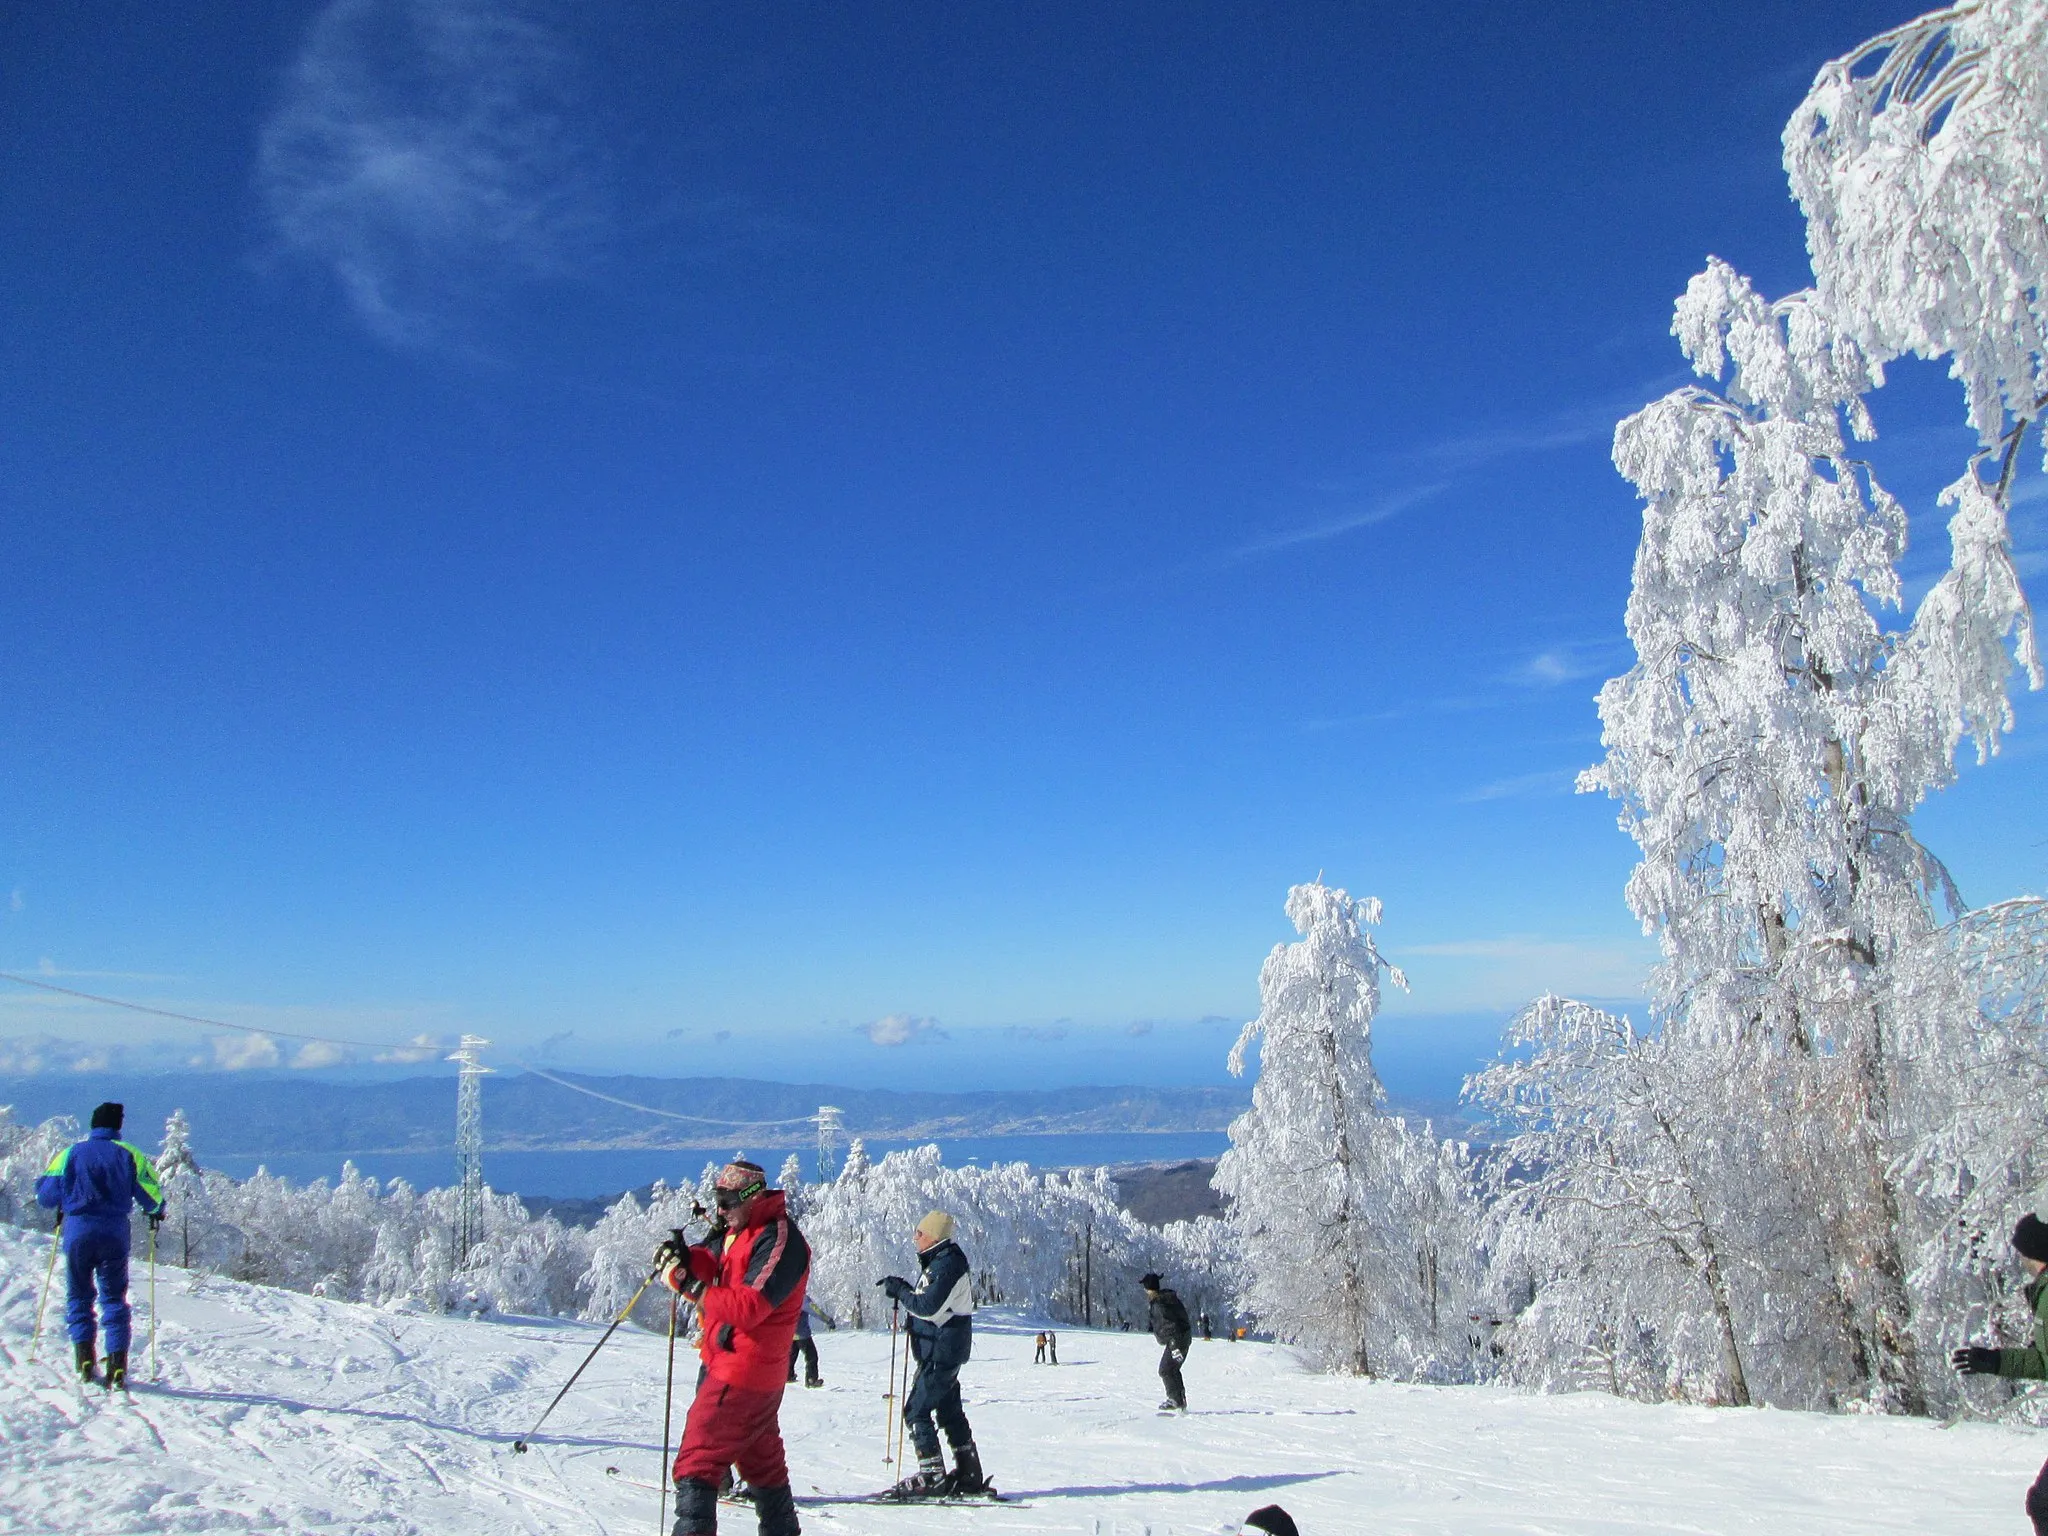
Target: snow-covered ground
x=285 y=1413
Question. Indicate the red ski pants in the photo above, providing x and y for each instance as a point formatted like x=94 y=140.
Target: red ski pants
x=733 y=1427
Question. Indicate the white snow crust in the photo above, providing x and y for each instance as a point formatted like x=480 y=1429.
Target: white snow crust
x=279 y=1412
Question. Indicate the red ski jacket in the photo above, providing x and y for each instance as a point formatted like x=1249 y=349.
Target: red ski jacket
x=753 y=1291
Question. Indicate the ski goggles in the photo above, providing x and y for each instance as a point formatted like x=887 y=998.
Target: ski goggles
x=732 y=1199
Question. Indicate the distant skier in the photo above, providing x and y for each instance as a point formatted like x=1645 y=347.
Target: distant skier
x=941 y=1327
x=2028 y=1361
x=1038 y=1357
x=747 y=1278
x=91 y=1184
x=1168 y=1320
x=1052 y=1347
x=1206 y=1334
x=806 y=1346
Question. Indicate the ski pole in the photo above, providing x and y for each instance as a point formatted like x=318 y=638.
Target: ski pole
x=520 y=1445
x=668 y=1404
x=889 y=1397
x=155 y=1373
x=56 y=1241
x=904 y=1417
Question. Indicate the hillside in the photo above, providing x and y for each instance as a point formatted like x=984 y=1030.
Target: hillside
x=279 y=1412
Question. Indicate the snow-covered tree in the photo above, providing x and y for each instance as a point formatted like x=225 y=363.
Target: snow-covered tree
x=1776 y=733
x=1354 y=1227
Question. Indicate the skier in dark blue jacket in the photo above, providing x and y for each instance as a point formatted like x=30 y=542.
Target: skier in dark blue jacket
x=91 y=1184
x=941 y=1327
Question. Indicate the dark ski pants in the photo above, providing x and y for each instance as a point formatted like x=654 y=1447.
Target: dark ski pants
x=97 y=1255
x=2037 y=1502
x=729 y=1427
x=809 y=1350
x=1169 y=1372
x=935 y=1394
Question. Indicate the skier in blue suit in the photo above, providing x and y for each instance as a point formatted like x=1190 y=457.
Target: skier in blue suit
x=91 y=1184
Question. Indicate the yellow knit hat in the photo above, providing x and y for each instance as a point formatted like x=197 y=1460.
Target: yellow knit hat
x=937 y=1226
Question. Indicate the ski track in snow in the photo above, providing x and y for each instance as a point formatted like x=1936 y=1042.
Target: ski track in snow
x=286 y=1413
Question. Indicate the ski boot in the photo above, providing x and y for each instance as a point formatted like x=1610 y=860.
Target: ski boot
x=117 y=1370
x=813 y=1381
x=82 y=1354
x=929 y=1481
x=967 y=1478
x=1170 y=1406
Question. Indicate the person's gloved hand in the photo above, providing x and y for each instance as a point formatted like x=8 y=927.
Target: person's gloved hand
x=895 y=1286
x=1975 y=1360
x=156 y=1219
x=674 y=1249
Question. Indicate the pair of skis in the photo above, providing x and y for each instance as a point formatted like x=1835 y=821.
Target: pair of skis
x=820 y=1496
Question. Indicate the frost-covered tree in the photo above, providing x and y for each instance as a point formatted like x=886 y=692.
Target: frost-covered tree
x=1353 y=1226
x=1776 y=733
x=1611 y=1237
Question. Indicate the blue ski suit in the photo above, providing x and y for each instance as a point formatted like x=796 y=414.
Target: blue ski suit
x=93 y=1182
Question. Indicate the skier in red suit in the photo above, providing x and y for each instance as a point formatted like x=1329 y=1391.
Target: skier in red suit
x=747 y=1278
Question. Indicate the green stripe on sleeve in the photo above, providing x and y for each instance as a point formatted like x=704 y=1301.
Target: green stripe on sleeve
x=145 y=1175
x=58 y=1164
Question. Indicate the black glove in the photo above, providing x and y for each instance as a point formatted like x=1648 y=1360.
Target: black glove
x=674 y=1249
x=1975 y=1360
x=156 y=1219
x=895 y=1286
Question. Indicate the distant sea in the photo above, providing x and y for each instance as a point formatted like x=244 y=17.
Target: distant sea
x=585 y=1175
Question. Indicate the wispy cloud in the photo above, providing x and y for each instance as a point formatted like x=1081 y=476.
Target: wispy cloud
x=1386 y=507
x=1570 y=661
x=1524 y=786
x=424 y=154
x=900 y=1029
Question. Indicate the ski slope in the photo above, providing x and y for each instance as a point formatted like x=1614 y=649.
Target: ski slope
x=284 y=1413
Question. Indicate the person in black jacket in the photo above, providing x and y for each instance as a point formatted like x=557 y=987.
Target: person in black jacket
x=1168 y=1320
x=941 y=1327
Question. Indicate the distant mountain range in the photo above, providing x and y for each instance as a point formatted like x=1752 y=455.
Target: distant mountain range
x=252 y=1114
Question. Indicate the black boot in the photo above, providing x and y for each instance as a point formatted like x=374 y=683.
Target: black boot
x=777 y=1508
x=83 y=1354
x=696 y=1508
x=967 y=1474
x=117 y=1369
x=927 y=1482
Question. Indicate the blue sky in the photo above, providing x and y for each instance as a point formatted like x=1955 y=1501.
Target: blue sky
x=696 y=539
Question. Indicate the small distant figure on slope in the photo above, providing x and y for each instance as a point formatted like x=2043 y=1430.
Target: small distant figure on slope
x=1272 y=1520
x=806 y=1346
x=1038 y=1358
x=1052 y=1347
x=1167 y=1317
x=91 y=1184
x=2029 y=1361
x=748 y=1279
x=941 y=1329
x=1206 y=1334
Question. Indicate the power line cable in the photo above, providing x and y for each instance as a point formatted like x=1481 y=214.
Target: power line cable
x=666 y=1114
x=191 y=1018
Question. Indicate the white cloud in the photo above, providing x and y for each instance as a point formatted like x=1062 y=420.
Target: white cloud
x=423 y=154
x=239 y=1053
x=901 y=1029
x=319 y=1053
x=419 y=1048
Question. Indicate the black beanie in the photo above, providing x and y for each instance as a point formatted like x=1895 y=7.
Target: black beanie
x=1149 y=1282
x=2031 y=1237
x=107 y=1117
x=1272 y=1519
